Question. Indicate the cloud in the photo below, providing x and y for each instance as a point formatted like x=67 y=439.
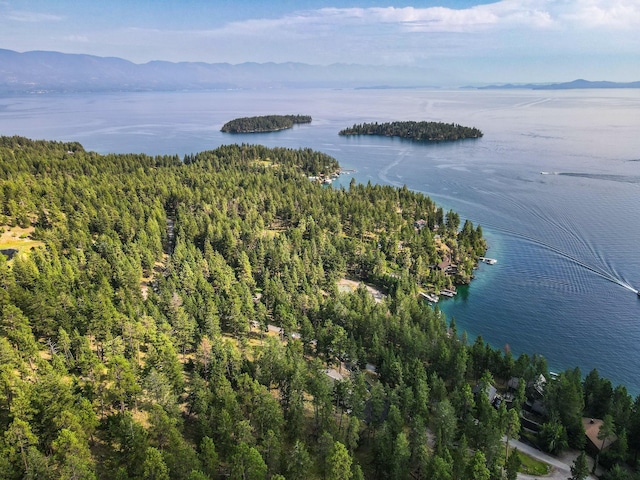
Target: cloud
x=510 y=34
x=32 y=17
x=505 y=14
x=25 y=16
x=612 y=13
x=507 y=29
x=442 y=19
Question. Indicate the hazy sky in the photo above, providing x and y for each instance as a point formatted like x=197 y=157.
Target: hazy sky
x=457 y=40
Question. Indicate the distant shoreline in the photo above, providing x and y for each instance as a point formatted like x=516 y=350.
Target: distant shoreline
x=574 y=85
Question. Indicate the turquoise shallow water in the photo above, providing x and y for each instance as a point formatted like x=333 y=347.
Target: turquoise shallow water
x=566 y=240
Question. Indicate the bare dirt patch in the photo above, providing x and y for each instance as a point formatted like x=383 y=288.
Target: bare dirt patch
x=347 y=285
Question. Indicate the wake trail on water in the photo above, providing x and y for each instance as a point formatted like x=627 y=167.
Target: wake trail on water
x=515 y=106
x=609 y=274
x=569 y=232
x=611 y=277
x=383 y=174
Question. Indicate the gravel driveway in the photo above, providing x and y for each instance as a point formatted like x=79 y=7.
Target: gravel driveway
x=561 y=466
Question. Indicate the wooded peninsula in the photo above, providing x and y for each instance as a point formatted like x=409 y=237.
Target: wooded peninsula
x=223 y=316
x=266 y=123
x=422 y=131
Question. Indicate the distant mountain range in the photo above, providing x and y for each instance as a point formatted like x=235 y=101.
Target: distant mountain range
x=40 y=71
x=580 y=83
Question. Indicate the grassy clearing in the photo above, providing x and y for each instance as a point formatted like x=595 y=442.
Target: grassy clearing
x=531 y=466
x=19 y=239
x=264 y=163
x=271 y=233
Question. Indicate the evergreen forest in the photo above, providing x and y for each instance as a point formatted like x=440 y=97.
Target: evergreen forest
x=422 y=131
x=266 y=123
x=222 y=316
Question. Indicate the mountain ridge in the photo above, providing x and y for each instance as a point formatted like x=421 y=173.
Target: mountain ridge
x=37 y=71
x=40 y=71
x=579 y=83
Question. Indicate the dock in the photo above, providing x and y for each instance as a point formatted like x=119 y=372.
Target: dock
x=430 y=297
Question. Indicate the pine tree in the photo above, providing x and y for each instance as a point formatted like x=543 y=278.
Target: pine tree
x=580 y=467
x=339 y=463
x=513 y=465
x=154 y=467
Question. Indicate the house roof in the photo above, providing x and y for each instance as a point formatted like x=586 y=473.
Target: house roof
x=540 y=383
x=333 y=374
x=591 y=429
x=490 y=390
x=537 y=406
x=444 y=263
x=420 y=224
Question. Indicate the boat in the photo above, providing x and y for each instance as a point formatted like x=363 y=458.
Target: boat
x=488 y=261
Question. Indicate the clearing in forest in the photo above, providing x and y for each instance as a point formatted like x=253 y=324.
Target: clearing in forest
x=346 y=285
x=18 y=238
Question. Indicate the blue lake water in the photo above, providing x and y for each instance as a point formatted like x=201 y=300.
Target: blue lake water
x=566 y=240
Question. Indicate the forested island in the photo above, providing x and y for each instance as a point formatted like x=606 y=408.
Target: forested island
x=422 y=131
x=266 y=123
x=175 y=318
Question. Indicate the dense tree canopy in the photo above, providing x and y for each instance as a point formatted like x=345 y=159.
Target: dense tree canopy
x=423 y=131
x=266 y=123
x=176 y=318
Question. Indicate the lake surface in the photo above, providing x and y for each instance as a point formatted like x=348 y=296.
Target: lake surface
x=566 y=240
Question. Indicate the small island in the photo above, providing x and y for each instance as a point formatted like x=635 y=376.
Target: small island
x=422 y=131
x=265 y=123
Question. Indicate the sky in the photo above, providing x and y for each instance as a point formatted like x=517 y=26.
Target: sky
x=456 y=41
